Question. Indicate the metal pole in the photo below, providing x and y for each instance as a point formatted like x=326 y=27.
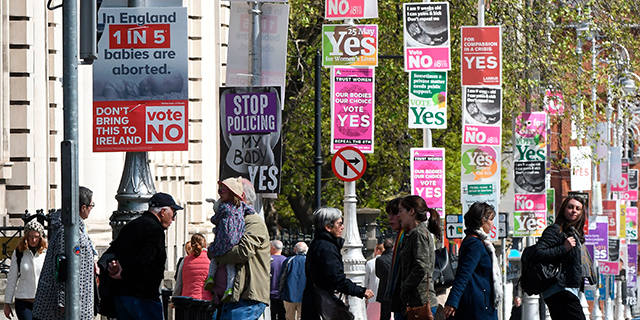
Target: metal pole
x=69 y=155
x=353 y=259
x=480 y=13
x=136 y=184
x=426 y=132
x=608 y=305
x=503 y=243
x=255 y=48
x=318 y=138
x=608 y=113
x=255 y=63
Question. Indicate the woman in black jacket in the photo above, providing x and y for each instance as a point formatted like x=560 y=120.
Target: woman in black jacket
x=558 y=246
x=324 y=268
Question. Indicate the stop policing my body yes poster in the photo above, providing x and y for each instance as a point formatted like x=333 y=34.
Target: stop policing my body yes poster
x=140 y=80
x=250 y=131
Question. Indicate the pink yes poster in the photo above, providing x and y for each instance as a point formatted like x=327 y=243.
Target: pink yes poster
x=427 y=176
x=352 y=108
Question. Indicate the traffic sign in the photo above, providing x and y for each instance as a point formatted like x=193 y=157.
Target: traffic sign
x=454 y=226
x=503 y=225
x=349 y=164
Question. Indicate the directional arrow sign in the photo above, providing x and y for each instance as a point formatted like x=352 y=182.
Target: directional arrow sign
x=349 y=164
x=454 y=226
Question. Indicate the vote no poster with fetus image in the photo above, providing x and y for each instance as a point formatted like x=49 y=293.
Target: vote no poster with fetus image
x=482 y=105
x=427 y=41
x=250 y=135
x=140 y=95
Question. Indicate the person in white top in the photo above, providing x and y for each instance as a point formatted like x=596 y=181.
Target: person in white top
x=371 y=282
x=26 y=264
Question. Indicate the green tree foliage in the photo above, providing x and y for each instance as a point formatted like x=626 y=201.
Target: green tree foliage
x=539 y=53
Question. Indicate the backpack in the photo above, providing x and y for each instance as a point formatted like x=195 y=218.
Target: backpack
x=536 y=277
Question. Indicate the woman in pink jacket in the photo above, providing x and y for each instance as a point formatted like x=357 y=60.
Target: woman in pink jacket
x=193 y=271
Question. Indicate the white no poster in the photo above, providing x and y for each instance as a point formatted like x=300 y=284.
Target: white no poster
x=580 y=168
x=275 y=22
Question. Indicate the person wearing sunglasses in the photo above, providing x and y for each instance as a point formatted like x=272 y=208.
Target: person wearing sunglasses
x=136 y=259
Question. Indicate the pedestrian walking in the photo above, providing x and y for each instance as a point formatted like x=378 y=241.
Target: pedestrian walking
x=477 y=288
x=293 y=281
x=276 y=305
x=557 y=245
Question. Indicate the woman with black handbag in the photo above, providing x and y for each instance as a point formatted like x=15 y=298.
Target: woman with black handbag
x=417 y=258
x=477 y=289
x=558 y=245
x=325 y=271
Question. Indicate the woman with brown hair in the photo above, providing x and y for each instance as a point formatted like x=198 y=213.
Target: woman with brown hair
x=26 y=265
x=477 y=288
x=193 y=271
x=417 y=255
x=557 y=245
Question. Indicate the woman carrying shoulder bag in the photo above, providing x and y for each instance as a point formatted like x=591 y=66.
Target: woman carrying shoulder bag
x=417 y=257
x=26 y=265
x=477 y=288
x=557 y=245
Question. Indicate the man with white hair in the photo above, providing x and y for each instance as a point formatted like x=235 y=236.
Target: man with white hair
x=293 y=281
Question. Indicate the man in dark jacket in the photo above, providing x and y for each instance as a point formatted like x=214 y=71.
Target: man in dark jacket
x=383 y=265
x=140 y=253
x=324 y=268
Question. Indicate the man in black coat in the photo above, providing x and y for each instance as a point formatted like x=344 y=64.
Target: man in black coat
x=383 y=266
x=140 y=256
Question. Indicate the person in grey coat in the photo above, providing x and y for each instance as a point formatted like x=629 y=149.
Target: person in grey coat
x=417 y=254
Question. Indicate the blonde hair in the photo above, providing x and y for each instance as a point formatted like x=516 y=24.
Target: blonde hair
x=24 y=245
x=197 y=244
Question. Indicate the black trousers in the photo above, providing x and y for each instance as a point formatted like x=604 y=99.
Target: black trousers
x=277 y=309
x=564 y=305
x=385 y=310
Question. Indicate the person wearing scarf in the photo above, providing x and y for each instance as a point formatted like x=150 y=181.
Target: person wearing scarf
x=477 y=288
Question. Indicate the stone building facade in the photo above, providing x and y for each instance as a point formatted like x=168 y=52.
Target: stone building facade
x=31 y=121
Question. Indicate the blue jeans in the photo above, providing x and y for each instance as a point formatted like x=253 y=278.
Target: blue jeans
x=131 y=308
x=243 y=309
x=24 y=309
x=400 y=316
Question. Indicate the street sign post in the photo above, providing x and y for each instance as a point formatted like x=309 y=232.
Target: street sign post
x=503 y=225
x=349 y=164
x=454 y=226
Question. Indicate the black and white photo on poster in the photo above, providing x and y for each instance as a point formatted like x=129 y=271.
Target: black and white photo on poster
x=251 y=135
x=142 y=54
x=482 y=105
x=529 y=176
x=426 y=24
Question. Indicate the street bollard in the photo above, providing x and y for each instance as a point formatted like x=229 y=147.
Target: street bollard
x=182 y=306
x=166 y=295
